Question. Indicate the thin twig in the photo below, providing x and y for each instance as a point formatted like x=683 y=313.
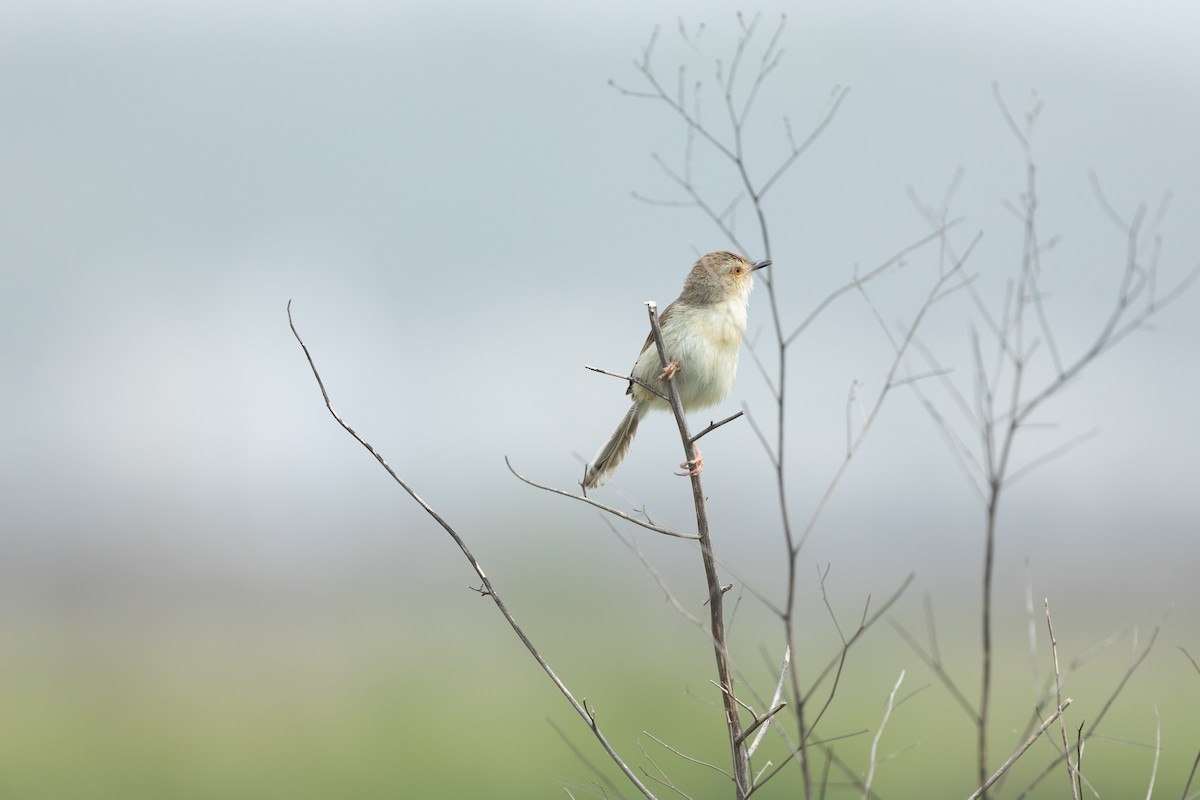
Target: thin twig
x=712 y=426
x=895 y=260
x=1189 y=657
x=935 y=665
x=838 y=662
x=901 y=349
x=887 y=713
x=1191 y=776
x=1095 y=722
x=583 y=759
x=650 y=526
x=1072 y=768
x=688 y=758
x=633 y=378
x=763 y=720
x=1020 y=751
x=654 y=573
x=1157 y=752
x=489 y=590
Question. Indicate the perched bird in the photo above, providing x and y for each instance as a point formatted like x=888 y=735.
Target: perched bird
x=702 y=331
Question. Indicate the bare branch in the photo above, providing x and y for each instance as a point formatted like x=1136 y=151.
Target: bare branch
x=654 y=573
x=633 y=378
x=607 y=509
x=661 y=778
x=1191 y=776
x=740 y=758
x=901 y=349
x=1138 y=659
x=583 y=759
x=1020 y=751
x=896 y=259
x=712 y=426
x=588 y=716
x=686 y=757
x=871 y=761
x=1072 y=768
x=836 y=664
x=765 y=719
x=761 y=438
x=1046 y=458
x=1189 y=657
x=935 y=665
x=836 y=97
x=1157 y=752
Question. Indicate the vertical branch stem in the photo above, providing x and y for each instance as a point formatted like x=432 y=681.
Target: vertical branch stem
x=737 y=744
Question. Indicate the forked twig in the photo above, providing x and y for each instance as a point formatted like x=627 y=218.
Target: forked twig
x=1020 y=751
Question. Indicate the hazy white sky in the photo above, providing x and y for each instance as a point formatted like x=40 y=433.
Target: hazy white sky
x=444 y=192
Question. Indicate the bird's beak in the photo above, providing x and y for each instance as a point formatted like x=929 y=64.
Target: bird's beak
x=759 y=265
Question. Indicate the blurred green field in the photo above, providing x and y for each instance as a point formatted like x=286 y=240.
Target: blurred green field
x=360 y=700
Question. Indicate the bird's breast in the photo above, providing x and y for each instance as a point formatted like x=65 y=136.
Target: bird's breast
x=706 y=340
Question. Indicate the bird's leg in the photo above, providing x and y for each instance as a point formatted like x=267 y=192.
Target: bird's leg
x=669 y=371
x=693 y=467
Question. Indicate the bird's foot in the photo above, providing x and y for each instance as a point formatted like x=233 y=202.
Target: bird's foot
x=669 y=371
x=692 y=468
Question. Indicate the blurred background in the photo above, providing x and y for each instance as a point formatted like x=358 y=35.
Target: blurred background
x=207 y=589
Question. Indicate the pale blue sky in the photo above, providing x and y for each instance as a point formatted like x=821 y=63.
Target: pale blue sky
x=444 y=192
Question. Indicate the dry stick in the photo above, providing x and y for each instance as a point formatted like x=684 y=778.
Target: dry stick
x=1099 y=718
x=935 y=665
x=653 y=390
x=631 y=543
x=739 y=755
x=712 y=426
x=1157 y=751
x=663 y=781
x=761 y=723
x=890 y=382
x=777 y=704
x=1196 y=763
x=1188 y=656
x=891 y=702
x=1020 y=751
x=838 y=662
x=686 y=757
x=852 y=777
x=765 y=719
x=1191 y=776
x=1062 y=725
x=1079 y=745
x=650 y=526
x=588 y=715
x=835 y=666
x=583 y=759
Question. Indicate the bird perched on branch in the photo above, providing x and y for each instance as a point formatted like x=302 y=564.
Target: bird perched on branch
x=703 y=332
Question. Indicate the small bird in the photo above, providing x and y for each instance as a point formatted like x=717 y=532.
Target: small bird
x=702 y=331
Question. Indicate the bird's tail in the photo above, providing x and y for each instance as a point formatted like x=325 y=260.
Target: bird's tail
x=610 y=455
